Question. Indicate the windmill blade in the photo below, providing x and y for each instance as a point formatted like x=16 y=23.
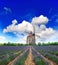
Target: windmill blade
x=37 y=35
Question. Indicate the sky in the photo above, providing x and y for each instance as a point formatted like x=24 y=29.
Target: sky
x=17 y=18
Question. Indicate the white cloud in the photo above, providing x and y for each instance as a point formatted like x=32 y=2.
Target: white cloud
x=19 y=28
x=14 y=21
x=43 y=33
x=53 y=38
x=42 y=27
x=21 y=40
x=48 y=32
x=25 y=27
x=39 y=29
x=3 y=39
x=40 y=20
x=7 y=9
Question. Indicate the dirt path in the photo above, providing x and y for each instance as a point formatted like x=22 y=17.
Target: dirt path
x=13 y=61
x=46 y=60
x=29 y=60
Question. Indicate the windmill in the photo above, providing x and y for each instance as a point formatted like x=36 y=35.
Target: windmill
x=31 y=37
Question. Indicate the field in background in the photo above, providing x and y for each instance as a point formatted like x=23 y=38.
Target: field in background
x=18 y=54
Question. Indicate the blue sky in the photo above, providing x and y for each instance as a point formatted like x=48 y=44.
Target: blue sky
x=26 y=10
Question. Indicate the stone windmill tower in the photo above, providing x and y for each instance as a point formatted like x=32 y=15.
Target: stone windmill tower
x=31 y=38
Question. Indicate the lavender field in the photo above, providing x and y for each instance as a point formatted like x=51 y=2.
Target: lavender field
x=28 y=32
x=29 y=55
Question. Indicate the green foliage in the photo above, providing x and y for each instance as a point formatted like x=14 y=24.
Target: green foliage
x=49 y=43
x=39 y=44
x=39 y=61
x=21 y=44
x=9 y=57
x=21 y=60
x=3 y=62
x=13 y=44
x=56 y=53
x=54 y=59
x=53 y=52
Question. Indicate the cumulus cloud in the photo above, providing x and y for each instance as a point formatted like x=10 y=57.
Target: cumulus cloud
x=19 y=28
x=53 y=38
x=46 y=33
x=41 y=31
x=40 y=20
x=14 y=21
